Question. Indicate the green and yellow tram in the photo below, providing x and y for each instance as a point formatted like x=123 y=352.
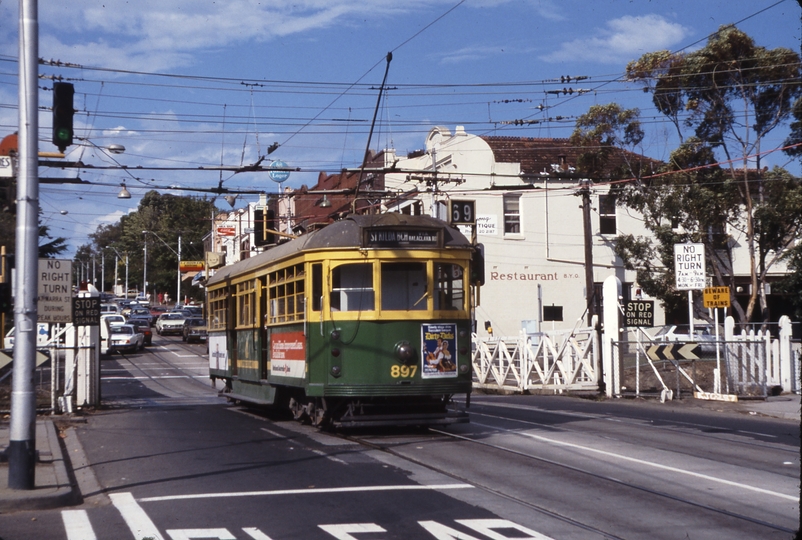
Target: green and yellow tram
x=366 y=321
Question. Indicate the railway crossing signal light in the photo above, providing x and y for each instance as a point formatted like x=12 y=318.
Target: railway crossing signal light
x=63 y=112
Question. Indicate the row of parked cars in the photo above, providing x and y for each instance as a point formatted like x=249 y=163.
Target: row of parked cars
x=130 y=326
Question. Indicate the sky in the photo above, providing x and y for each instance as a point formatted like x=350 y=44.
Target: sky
x=184 y=84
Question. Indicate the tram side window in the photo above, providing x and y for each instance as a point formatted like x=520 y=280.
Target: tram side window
x=450 y=292
x=246 y=298
x=218 y=301
x=286 y=294
x=352 y=287
x=404 y=286
x=317 y=286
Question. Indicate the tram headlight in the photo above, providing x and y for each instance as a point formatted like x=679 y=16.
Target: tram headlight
x=405 y=352
x=463 y=368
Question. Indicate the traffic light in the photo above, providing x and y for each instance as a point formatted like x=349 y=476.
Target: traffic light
x=63 y=112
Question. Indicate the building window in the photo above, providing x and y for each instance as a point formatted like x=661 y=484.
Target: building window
x=512 y=214
x=607 y=223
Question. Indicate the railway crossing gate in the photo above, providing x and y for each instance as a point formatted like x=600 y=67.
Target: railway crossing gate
x=552 y=361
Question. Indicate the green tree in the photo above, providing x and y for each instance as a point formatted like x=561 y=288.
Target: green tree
x=725 y=97
x=49 y=246
x=167 y=217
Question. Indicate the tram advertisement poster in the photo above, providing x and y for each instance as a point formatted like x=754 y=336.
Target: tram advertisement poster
x=439 y=345
x=218 y=353
x=288 y=355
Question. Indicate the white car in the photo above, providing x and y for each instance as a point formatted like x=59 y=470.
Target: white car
x=170 y=323
x=125 y=338
x=112 y=320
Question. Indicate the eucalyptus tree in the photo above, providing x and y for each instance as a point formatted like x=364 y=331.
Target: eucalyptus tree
x=723 y=100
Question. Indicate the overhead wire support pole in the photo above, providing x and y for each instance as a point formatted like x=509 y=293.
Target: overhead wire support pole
x=22 y=440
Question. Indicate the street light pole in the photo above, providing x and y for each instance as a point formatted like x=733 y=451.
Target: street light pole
x=177 y=254
x=145 y=272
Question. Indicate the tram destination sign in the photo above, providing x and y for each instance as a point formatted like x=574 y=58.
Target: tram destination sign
x=401 y=238
x=639 y=313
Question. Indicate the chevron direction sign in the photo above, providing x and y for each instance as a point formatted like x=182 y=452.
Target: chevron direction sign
x=674 y=351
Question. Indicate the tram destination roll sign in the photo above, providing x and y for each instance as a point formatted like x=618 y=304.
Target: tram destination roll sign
x=55 y=291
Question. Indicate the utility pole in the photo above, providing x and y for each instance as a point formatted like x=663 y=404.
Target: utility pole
x=584 y=192
x=22 y=439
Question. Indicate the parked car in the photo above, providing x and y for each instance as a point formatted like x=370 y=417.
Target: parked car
x=170 y=323
x=125 y=338
x=143 y=326
x=194 y=329
x=703 y=334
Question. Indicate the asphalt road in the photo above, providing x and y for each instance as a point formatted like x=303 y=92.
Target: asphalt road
x=166 y=458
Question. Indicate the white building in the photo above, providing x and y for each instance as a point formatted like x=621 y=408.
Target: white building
x=529 y=219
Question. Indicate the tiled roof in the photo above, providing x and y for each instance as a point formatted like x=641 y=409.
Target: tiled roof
x=538 y=155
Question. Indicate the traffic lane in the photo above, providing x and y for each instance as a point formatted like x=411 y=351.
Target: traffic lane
x=705 y=414
x=165 y=370
x=592 y=479
x=701 y=480
x=213 y=468
x=701 y=437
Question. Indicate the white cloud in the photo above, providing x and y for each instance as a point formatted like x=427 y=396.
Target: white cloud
x=154 y=35
x=623 y=39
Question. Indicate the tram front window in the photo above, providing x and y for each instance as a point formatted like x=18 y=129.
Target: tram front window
x=449 y=293
x=352 y=288
x=404 y=286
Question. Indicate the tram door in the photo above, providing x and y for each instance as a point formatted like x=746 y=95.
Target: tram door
x=264 y=335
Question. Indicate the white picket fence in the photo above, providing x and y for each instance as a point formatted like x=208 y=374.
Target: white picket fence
x=556 y=361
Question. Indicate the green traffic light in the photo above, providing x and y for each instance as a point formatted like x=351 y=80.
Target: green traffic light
x=63 y=134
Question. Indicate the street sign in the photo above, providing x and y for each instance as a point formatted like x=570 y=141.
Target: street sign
x=278 y=176
x=639 y=313
x=689 y=266
x=716 y=297
x=6 y=167
x=226 y=231
x=462 y=212
x=55 y=291
x=86 y=311
x=191 y=266
x=675 y=351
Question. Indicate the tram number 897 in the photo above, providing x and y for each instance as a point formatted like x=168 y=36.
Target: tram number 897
x=403 y=371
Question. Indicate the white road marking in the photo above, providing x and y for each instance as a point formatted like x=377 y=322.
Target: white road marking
x=647 y=463
x=341 y=532
x=76 y=523
x=135 y=517
x=354 y=489
x=188 y=534
x=255 y=533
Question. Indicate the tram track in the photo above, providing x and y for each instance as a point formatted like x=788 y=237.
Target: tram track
x=572 y=469
x=142 y=367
